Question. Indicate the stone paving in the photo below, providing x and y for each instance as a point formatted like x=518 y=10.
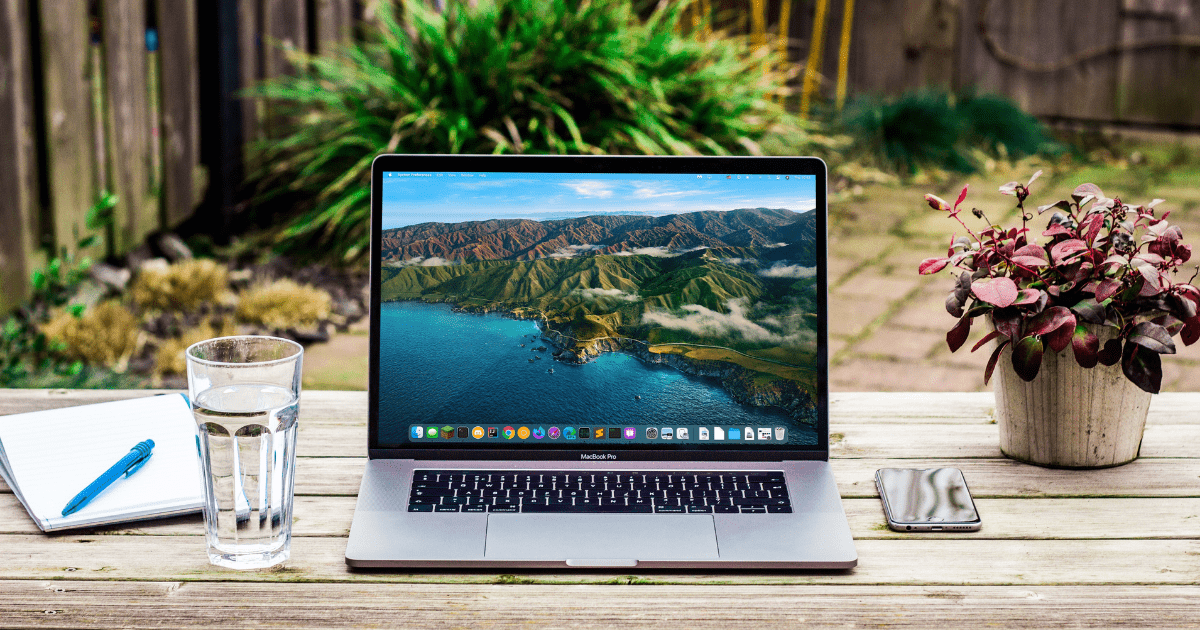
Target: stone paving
x=887 y=323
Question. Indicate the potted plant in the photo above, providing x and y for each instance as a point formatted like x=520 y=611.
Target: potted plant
x=1079 y=314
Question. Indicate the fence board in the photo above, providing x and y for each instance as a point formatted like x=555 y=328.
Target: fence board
x=250 y=60
x=67 y=97
x=335 y=23
x=900 y=45
x=128 y=120
x=18 y=178
x=1159 y=84
x=180 y=110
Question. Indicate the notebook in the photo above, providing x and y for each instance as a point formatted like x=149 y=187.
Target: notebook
x=47 y=457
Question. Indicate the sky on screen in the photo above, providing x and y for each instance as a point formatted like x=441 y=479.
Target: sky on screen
x=411 y=198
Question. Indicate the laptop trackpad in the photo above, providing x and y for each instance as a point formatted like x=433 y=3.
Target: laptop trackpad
x=581 y=538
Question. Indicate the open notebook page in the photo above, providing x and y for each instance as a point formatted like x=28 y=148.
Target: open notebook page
x=52 y=455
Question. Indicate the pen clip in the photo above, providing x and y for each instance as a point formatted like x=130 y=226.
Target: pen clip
x=137 y=464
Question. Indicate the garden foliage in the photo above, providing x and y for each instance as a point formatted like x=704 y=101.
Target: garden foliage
x=508 y=76
x=1104 y=263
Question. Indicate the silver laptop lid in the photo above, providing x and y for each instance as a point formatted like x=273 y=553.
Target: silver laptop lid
x=604 y=308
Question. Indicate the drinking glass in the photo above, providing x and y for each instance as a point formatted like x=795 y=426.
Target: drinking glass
x=245 y=395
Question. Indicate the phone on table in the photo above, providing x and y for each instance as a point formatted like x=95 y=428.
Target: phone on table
x=929 y=500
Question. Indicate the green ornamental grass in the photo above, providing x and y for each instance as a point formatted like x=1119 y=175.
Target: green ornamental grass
x=508 y=76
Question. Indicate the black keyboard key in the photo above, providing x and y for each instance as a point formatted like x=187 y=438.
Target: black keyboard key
x=668 y=509
x=754 y=509
x=699 y=509
x=424 y=500
x=512 y=507
x=779 y=509
x=420 y=507
x=474 y=507
x=446 y=508
x=725 y=509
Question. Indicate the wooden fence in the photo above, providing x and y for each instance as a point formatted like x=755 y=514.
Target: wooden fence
x=90 y=102
x=104 y=95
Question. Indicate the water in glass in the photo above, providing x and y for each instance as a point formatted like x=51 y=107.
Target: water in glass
x=247 y=439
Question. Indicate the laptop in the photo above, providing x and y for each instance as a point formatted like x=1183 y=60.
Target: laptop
x=598 y=362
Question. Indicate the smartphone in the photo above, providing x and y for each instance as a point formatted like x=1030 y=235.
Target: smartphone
x=930 y=500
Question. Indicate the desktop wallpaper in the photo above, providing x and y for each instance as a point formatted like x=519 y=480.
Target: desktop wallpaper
x=536 y=308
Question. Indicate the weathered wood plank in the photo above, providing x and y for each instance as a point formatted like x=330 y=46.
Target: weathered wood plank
x=912 y=561
x=335 y=24
x=21 y=236
x=1014 y=519
x=180 y=108
x=845 y=408
x=93 y=604
x=250 y=66
x=128 y=120
x=68 y=105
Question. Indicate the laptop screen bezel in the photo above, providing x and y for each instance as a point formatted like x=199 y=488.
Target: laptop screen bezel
x=602 y=164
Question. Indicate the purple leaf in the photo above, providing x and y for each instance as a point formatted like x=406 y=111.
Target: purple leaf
x=1030 y=261
x=1143 y=367
x=999 y=292
x=1027 y=357
x=1062 y=204
x=1056 y=230
x=1086 y=346
x=954 y=304
x=1087 y=189
x=1111 y=352
x=1027 y=296
x=1008 y=322
x=958 y=335
x=991 y=364
x=1090 y=227
x=1152 y=337
x=1033 y=179
x=1010 y=188
x=1191 y=331
x=1059 y=338
x=962 y=195
x=1108 y=288
x=1065 y=249
x=932 y=265
x=990 y=336
x=1050 y=320
x=1089 y=311
x=1031 y=250
x=937 y=203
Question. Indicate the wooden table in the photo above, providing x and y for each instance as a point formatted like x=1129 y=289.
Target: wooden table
x=1058 y=548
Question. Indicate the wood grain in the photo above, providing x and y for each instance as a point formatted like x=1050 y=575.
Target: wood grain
x=19 y=214
x=910 y=561
x=128 y=121
x=180 y=109
x=84 y=604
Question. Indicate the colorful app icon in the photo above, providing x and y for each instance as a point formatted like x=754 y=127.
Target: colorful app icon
x=447 y=432
x=553 y=433
x=431 y=432
x=614 y=433
x=570 y=433
x=718 y=433
x=477 y=433
x=462 y=432
x=630 y=433
x=682 y=432
x=703 y=431
x=764 y=434
x=417 y=433
x=509 y=433
x=599 y=433
x=749 y=433
x=523 y=433
x=493 y=432
x=585 y=433
x=735 y=433
x=667 y=433
x=651 y=433
x=538 y=433
x=779 y=433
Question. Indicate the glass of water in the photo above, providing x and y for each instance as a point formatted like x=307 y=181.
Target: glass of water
x=245 y=394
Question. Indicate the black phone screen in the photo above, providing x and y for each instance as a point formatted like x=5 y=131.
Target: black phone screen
x=935 y=495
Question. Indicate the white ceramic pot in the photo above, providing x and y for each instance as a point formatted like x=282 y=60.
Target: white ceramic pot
x=1068 y=416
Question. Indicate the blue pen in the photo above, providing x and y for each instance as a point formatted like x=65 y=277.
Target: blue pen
x=127 y=466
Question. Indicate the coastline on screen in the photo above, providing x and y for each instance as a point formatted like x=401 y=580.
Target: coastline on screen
x=572 y=304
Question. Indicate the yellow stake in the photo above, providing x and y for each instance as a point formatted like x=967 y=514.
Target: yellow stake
x=844 y=53
x=812 y=69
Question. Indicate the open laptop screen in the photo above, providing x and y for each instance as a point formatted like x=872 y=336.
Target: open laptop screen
x=598 y=310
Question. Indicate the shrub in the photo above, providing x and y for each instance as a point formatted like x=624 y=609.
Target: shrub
x=182 y=286
x=930 y=129
x=105 y=335
x=169 y=358
x=509 y=76
x=283 y=304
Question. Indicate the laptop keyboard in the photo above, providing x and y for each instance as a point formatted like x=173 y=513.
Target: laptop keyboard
x=574 y=492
